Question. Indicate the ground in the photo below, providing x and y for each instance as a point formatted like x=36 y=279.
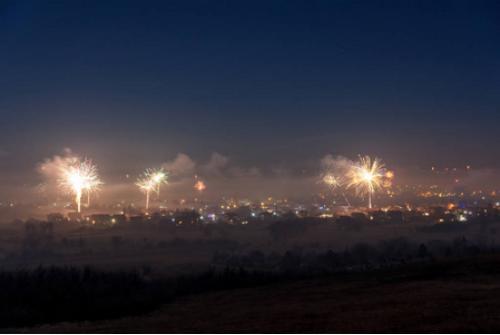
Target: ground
x=461 y=296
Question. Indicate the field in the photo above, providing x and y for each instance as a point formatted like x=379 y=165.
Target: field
x=443 y=296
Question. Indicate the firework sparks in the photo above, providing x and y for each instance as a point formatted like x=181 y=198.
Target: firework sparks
x=158 y=177
x=388 y=178
x=146 y=184
x=200 y=186
x=151 y=180
x=332 y=181
x=366 y=177
x=389 y=174
x=335 y=182
x=80 y=176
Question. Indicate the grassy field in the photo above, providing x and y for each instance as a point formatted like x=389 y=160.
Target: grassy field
x=446 y=296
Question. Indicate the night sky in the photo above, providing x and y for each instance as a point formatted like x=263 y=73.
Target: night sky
x=133 y=83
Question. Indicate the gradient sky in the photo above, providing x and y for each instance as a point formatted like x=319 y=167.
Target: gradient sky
x=132 y=83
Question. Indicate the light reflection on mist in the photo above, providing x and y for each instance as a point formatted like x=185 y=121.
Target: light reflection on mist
x=225 y=178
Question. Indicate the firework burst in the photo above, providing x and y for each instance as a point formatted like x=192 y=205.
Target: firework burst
x=79 y=176
x=366 y=177
x=151 y=180
x=146 y=185
x=332 y=181
x=158 y=177
x=335 y=182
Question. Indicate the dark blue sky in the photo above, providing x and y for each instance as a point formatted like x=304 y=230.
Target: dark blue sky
x=131 y=83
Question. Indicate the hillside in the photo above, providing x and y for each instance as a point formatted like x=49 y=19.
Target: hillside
x=452 y=296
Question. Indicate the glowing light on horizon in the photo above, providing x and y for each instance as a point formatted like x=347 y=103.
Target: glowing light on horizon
x=366 y=177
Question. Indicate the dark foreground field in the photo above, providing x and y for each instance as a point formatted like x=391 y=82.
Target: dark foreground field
x=451 y=296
